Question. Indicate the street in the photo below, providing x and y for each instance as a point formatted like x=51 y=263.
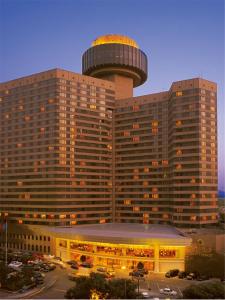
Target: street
x=152 y=281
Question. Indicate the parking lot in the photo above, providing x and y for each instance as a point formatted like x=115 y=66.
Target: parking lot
x=54 y=281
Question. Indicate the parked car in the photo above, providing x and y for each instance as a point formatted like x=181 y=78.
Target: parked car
x=142 y=271
x=182 y=274
x=191 y=276
x=203 y=277
x=39 y=280
x=71 y=262
x=172 y=273
x=74 y=266
x=51 y=267
x=102 y=269
x=86 y=265
x=168 y=291
x=15 y=264
x=57 y=258
x=136 y=274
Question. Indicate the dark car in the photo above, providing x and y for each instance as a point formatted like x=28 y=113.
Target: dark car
x=39 y=280
x=172 y=273
x=136 y=274
x=74 y=266
x=86 y=265
x=191 y=276
x=57 y=258
x=182 y=274
x=203 y=277
x=71 y=262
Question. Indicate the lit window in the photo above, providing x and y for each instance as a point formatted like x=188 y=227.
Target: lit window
x=193 y=218
x=154 y=130
x=178 y=167
x=102 y=221
x=145 y=183
x=136 y=177
x=179 y=152
x=127 y=202
x=82 y=183
x=51 y=216
x=19 y=145
x=178 y=123
x=178 y=94
x=145 y=215
x=135 y=171
x=165 y=162
x=73 y=216
x=146 y=169
x=136 y=126
x=7 y=116
x=92 y=106
x=43 y=216
x=193 y=196
x=50 y=148
x=155 y=163
x=126 y=133
x=27 y=118
x=73 y=222
x=165 y=216
x=146 y=196
x=35 y=216
x=155 y=189
x=19 y=183
x=62 y=216
x=42 y=129
x=136 y=139
x=42 y=108
x=155 y=123
x=193 y=180
x=50 y=101
x=135 y=107
x=136 y=208
x=155 y=209
x=155 y=196
x=20 y=221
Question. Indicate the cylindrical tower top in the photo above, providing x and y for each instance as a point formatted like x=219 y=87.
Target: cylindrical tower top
x=115 y=54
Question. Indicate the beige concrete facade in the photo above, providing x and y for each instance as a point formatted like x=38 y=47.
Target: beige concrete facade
x=73 y=154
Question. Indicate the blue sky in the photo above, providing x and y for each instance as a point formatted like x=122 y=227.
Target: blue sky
x=182 y=38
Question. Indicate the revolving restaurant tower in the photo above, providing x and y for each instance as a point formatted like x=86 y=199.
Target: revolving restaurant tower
x=80 y=149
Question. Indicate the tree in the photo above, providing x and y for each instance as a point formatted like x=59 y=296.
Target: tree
x=140 y=265
x=209 y=290
x=85 y=286
x=211 y=265
x=122 y=289
x=96 y=286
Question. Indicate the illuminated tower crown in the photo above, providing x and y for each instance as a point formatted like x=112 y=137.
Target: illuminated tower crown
x=115 y=54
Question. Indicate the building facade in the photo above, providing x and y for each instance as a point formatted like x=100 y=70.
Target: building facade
x=80 y=149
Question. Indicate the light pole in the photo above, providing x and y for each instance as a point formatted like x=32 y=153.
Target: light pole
x=6 y=238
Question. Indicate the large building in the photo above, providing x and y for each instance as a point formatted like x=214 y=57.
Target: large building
x=80 y=149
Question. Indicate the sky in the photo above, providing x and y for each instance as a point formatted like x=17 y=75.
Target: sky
x=183 y=39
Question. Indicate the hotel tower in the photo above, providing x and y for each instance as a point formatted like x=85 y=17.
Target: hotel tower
x=81 y=149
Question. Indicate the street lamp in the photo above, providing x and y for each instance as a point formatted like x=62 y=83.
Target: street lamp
x=5 y=227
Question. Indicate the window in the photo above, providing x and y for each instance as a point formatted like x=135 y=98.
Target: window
x=178 y=94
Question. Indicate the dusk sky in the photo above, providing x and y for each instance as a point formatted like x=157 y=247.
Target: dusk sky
x=182 y=39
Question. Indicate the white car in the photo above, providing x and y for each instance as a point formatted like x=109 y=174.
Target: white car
x=168 y=291
x=15 y=264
